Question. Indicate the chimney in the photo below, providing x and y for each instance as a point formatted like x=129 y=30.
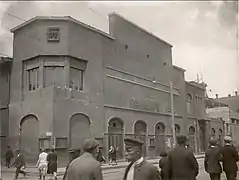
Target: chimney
x=216 y=96
x=236 y=93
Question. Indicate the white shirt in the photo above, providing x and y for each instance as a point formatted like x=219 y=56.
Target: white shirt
x=130 y=175
x=42 y=159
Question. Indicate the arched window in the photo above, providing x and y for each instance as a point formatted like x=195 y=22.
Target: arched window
x=191 y=130
x=177 y=129
x=189 y=103
x=213 y=132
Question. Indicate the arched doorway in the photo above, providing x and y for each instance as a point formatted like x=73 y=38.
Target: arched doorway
x=160 y=138
x=79 y=130
x=140 y=131
x=29 y=138
x=115 y=135
x=191 y=136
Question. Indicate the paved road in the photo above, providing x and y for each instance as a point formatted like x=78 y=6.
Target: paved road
x=109 y=174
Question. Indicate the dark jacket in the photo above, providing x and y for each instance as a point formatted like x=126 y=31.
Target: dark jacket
x=163 y=164
x=9 y=154
x=144 y=171
x=182 y=164
x=229 y=158
x=52 y=162
x=19 y=161
x=85 y=167
x=212 y=160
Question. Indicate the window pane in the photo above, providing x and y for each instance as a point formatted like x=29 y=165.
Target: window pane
x=53 y=74
x=76 y=79
x=33 y=79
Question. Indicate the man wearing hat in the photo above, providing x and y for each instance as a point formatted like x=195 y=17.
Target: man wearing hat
x=229 y=159
x=86 y=167
x=212 y=160
x=139 y=168
x=182 y=164
x=20 y=164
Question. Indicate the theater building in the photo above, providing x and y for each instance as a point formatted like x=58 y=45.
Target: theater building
x=70 y=81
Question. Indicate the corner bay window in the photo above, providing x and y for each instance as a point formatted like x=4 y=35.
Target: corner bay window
x=76 y=79
x=33 y=78
x=53 y=74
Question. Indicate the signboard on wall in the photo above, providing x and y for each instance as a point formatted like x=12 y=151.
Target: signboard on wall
x=49 y=134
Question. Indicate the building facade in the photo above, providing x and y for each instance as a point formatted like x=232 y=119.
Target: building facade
x=5 y=72
x=220 y=108
x=70 y=81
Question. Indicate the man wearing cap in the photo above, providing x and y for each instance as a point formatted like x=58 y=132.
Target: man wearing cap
x=86 y=167
x=139 y=168
x=182 y=164
x=212 y=160
x=229 y=159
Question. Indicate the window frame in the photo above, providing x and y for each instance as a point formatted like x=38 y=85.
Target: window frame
x=54 y=71
x=37 y=78
x=80 y=85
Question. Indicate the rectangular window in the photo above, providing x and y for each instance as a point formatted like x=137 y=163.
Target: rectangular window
x=53 y=75
x=61 y=143
x=76 y=79
x=189 y=107
x=33 y=79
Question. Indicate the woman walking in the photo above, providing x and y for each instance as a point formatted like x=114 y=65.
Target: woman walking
x=52 y=163
x=42 y=164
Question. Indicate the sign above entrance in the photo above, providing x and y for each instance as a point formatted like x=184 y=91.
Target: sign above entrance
x=48 y=133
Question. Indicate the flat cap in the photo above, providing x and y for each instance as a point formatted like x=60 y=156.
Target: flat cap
x=181 y=139
x=90 y=144
x=213 y=141
x=133 y=142
x=227 y=139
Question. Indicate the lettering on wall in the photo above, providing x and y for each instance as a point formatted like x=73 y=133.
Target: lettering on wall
x=53 y=34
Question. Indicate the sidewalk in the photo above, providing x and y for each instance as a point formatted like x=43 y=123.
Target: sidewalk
x=61 y=170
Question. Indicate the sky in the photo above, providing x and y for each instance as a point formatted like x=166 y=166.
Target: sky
x=203 y=34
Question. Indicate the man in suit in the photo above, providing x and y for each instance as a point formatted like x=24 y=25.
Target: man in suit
x=182 y=164
x=229 y=159
x=139 y=168
x=86 y=167
x=19 y=164
x=212 y=160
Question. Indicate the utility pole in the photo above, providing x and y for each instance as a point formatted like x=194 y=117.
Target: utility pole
x=172 y=114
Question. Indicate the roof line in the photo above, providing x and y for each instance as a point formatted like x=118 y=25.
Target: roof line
x=64 y=18
x=137 y=26
x=42 y=55
x=195 y=85
x=177 y=67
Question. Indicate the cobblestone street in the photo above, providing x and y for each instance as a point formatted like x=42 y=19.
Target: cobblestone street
x=109 y=174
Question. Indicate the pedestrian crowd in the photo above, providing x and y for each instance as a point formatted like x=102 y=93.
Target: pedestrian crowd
x=46 y=164
x=179 y=164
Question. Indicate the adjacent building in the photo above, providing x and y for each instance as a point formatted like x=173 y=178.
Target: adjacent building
x=5 y=72
x=70 y=81
x=220 y=109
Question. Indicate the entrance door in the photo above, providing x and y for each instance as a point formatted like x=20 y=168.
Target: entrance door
x=29 y=133
x=140 y=131
x=79 y=130
x=160 y=138
x=116 y=130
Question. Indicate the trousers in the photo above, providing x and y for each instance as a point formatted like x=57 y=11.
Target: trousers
x=215 y=176
x=231 y=175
